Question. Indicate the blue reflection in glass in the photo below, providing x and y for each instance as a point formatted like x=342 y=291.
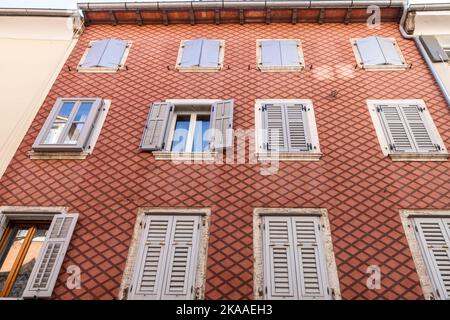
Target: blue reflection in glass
x=201 y=141
x=181 y=132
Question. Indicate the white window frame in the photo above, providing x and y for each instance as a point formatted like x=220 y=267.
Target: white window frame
x=91 y=142
x=387 y=67
x=407 y=216
x=406 y=156
x=258 y=267
x=82 y=69
x=263 y=155
x=263 y=68
x=200 y=272
x=199 y=68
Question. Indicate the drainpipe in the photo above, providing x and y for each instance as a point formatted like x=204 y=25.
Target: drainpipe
x=422 y=50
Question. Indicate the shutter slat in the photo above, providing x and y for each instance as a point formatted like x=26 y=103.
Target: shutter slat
x=158 y=120
x=222 y=124
x=46 y=269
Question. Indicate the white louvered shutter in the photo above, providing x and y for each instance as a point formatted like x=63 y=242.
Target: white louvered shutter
x=181 y=258
x=222 y=124
x=298 y=137
x=434 y=238
x=151 y=261
x=310 y=258
x=420 y=131
x=46 y=269
x=279 y=264
x=3 y=224
x=395 y=128
x=274 y=124
x=158 y=120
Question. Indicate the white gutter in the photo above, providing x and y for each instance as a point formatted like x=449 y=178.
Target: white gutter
x=38 y=12
x=422 y=50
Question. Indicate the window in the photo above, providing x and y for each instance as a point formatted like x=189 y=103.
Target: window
x=167 y=258
x=279 y=55
x=434 y=49
x=406 y=131
x=200 y=55
x=70 y=125
x=108 y=55
x=189 y=126
x=31 y=253
x=378 y=53
x=433 y=237
x=287 y=129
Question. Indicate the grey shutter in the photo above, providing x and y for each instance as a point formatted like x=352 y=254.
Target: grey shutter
x=279 y=264
x=274 y=124
x=3 y=224
x=46 y=269
x=151 y=261
x=310 y=258
x=298 y=137
x=434 y=240
x=222 y=124
x=395 y=128
x=191 y=53
x=421 y=133
x=113 y=53
x=389 y=50
x=182 y=258
x=370 y=51
x=158 y=120
x=434 y=49
x=270 y=53
x=289 y=53
x=210 y=53
x=95 y=53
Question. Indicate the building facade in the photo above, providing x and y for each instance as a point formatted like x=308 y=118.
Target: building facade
x=334 y=183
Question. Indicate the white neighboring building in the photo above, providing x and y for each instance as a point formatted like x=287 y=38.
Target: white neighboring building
x=35 y=44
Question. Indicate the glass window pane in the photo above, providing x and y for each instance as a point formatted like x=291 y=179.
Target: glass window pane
x=74 y=133
x=201 y=141
x=59 y=124
x=28 y=263
x=83 y=112
x=181 y=132
x=10 y=253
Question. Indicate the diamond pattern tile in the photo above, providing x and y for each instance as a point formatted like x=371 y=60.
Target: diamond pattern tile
x=362 y=190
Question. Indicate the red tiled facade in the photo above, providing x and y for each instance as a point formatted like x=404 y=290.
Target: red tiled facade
x=362 y=190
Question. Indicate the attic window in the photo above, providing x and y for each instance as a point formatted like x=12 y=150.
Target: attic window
x=108 y=55
x=378 y=53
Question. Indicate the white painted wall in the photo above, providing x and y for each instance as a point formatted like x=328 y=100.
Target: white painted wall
x=33 y=50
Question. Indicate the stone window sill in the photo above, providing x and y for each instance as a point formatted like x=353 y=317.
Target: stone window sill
x=419 y=156
x=34 y=155
x=281 y=68
x=290 y=156
x=185 y=156
x=199 y=69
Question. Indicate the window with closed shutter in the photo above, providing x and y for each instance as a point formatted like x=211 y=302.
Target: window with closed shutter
x=104 y=54
x=275 y=54
x=433 y=235
x=406 y=128
x=167 y=258
x=203 y=54
x=378 y=52
x=294 y=259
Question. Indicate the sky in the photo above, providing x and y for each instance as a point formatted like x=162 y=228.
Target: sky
x=72 y=4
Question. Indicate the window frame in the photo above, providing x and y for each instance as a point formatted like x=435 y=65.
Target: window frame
x=122 y=65
x=387 y=67
x=200 y=68
x=383 y=140
x=262 y=155
x=280 y=68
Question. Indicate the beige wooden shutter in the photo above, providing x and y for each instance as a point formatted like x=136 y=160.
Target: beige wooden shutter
x=279 y=261
x=310 y=258
x=156 y=127
x=46 y=270
x=433 y=235
x=182 y=258
x=151 y=260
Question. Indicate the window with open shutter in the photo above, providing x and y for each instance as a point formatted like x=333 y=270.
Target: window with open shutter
x=286 y=127
x=46 y=269
x=406 y=128
x=378 y=51
x=433 y=235
x=294 y=260
x=222 y=124
x=281 y=54
x=167 y=258
x=107 y=53
x=200 y=53
x=155 y=130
